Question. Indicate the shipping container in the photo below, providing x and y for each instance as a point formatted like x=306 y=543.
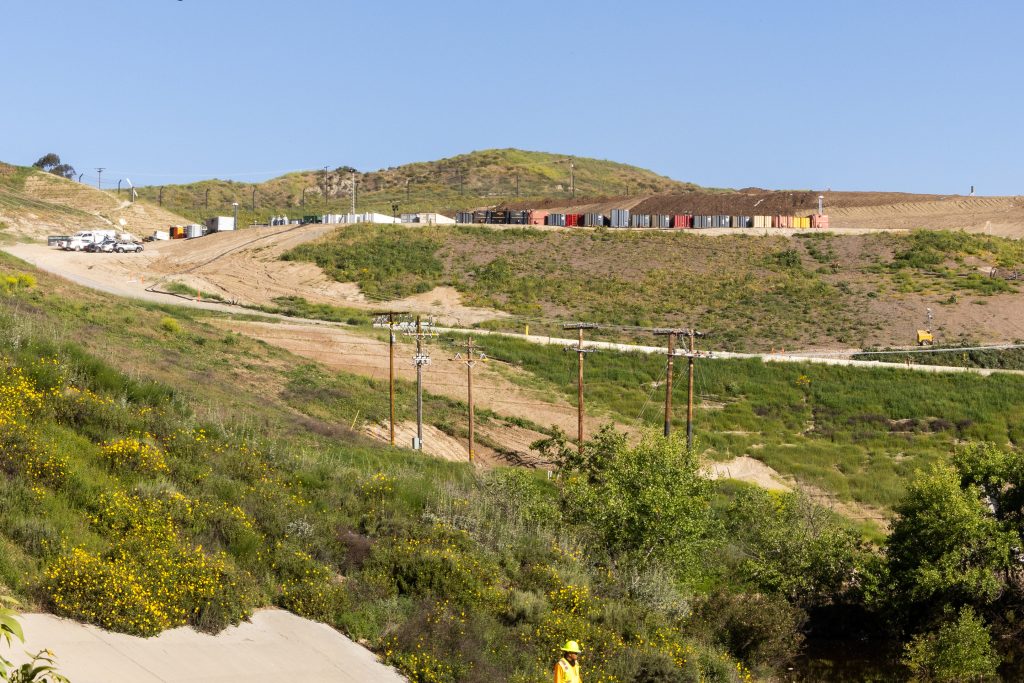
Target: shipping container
x=479 y=216
x=222 y=223
x=639 y=220
x=573 y=220
x=538 y=217
x=702 y=221
x=464 y=217
x=193 y=231
x=518 y=217
x=721 y=221
x=742 y=222
x=819 y=221
x=661 y=220
x=682 y=220
x=762 y=221
x=619 y=218
x=593 y=220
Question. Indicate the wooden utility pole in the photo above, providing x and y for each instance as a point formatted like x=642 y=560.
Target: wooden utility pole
x=473 y=356
x=671 y=334
x=390 y=322
x=419 y=360
x=691 y=356
x=579 y=376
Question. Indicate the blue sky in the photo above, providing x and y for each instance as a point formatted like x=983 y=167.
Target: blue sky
x=912 y=96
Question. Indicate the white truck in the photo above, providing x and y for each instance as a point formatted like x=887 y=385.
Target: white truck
x=84 y=237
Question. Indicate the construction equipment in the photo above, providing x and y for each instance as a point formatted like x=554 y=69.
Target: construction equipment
x=925 y=336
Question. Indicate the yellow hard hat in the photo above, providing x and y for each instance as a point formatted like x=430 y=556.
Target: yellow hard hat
x=572 y=646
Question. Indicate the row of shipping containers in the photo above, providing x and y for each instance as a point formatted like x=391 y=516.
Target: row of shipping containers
x=623 y=218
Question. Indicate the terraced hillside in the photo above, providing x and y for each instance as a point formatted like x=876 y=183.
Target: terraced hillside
x=34 y=204
x=751 y=292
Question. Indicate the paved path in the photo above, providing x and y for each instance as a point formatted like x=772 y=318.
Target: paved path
x=275 y=646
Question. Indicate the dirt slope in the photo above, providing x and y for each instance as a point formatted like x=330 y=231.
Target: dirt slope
x=35 y=204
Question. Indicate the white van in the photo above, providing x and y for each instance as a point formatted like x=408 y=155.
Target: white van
x=84 y=237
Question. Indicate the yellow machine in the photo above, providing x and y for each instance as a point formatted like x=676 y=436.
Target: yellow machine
x=925 y=338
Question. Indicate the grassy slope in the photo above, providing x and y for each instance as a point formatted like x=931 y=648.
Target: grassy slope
x=488 y=177
x=845 y=430
x=264 y=499
x=753 y=293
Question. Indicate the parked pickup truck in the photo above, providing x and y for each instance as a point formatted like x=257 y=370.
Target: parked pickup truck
x=82 y=238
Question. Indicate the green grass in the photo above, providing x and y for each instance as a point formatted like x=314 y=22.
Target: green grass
x=735 y=285
x=182 y=288
x=846 y=430
x=265 y=476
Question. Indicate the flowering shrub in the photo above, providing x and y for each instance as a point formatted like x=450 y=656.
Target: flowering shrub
x=308 y=588
x=149 y=580
x=20 y=448
x=133 y=454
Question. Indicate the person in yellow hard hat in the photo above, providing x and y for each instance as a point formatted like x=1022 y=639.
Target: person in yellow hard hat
x=567 y=670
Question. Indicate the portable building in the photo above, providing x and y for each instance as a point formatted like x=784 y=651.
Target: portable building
x=193 y=231
x=219 y=224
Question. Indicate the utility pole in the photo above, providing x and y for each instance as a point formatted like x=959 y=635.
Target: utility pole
x=353 y=194
x=419 y=360
x=254 y=200
x=207 y=201
x=579 y=376
x=407 y=191
x=671 y=334
x=323 y=179
x=462 y=192
x=691 y=355
x=119 y=188
x=390 y=322
x=517 y=185
x=99 y=178
x=572 y=177
x=470 y=360
x=160 y=199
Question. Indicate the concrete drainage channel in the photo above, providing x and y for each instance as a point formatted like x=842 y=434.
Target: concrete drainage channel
x=273 y=646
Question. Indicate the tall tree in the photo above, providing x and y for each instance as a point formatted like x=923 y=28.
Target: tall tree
x=51 y=163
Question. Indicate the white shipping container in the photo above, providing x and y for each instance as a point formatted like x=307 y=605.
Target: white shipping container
x=161 y=235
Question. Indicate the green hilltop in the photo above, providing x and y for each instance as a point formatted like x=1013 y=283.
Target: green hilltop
x=480 y=178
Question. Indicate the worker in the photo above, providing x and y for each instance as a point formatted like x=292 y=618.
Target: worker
x=567 y=670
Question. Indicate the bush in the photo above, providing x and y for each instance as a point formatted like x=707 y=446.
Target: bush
x=759 y=629
x=957 y=651
x=168 y=324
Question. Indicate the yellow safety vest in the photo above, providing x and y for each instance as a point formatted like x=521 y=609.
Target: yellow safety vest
x=566 y=672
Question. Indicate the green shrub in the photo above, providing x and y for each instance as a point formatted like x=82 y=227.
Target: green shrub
x=759 y=629
x=168 y=324
x=957 y=651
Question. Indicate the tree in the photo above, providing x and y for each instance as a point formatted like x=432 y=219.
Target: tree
x=958 y=650
x=785 y=543
x=51 y=163
x=643 y=504
x=946 y=547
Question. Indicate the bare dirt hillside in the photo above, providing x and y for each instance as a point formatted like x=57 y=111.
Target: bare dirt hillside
x=34 y=204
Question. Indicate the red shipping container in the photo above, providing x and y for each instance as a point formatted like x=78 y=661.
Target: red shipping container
x=573 y=220
x=682 y=221
x=538 y=217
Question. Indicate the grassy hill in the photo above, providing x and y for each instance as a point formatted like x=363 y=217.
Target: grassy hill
x=481 y=178
x=749 y=292
x=34 y=203
x=151 y=463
